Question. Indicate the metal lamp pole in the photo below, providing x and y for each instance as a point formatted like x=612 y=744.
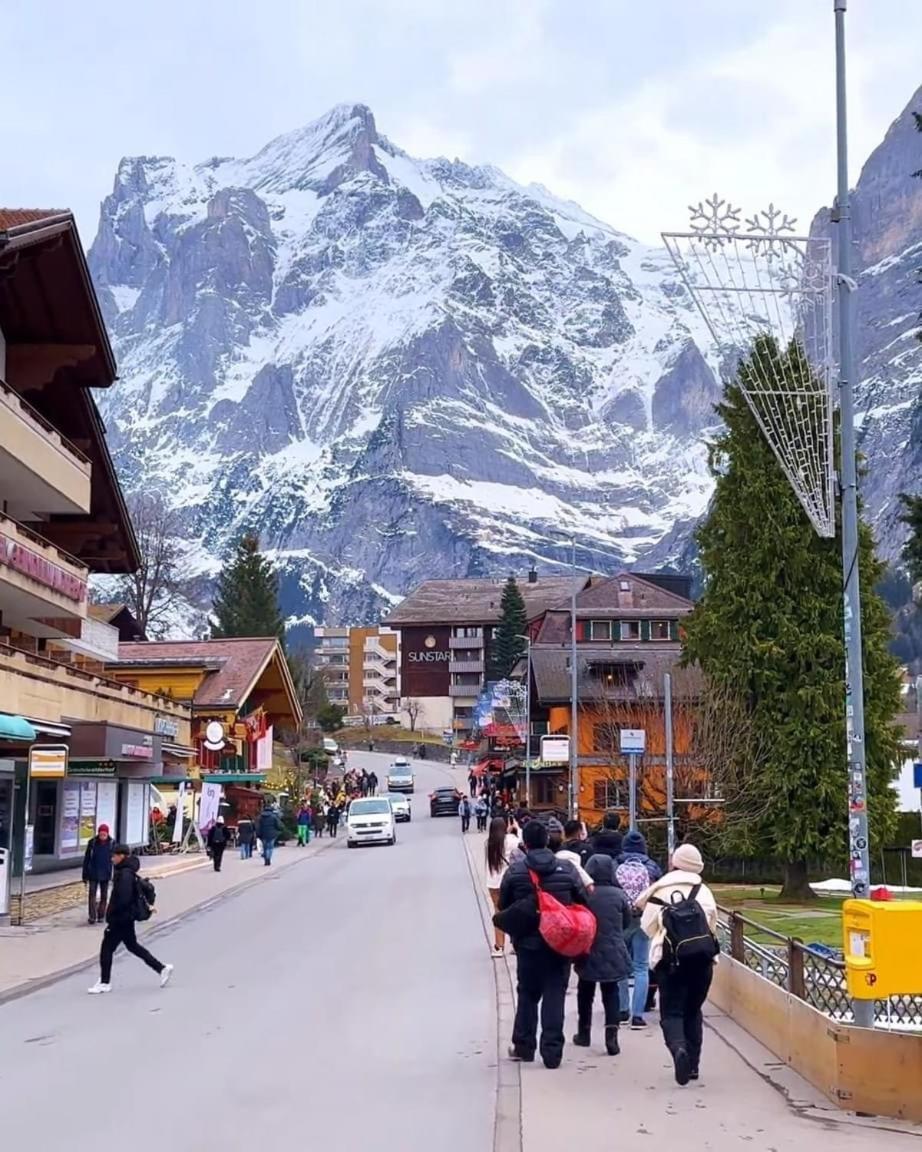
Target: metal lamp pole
x=859 y=854
x=574 y=701
x=527 y=640
x=670 y=769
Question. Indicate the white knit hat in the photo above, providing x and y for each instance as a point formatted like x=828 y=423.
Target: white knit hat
x=687 y=858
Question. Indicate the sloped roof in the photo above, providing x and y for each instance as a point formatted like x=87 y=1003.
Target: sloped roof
x=17 y=217
x=640 y=598
x=235 y=664
x=477 y=601
x=551 y=670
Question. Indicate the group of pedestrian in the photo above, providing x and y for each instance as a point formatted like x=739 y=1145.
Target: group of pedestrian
x=653 y=934
x=319 y=813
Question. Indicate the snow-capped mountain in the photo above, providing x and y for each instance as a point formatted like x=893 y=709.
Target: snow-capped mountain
x=395 y=369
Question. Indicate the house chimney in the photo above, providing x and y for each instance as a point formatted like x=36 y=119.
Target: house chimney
x=532 y=575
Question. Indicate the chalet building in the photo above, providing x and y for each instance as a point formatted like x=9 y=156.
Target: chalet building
x=240 y=693
x=446 y=627
x=628 y=632
x=76 y=747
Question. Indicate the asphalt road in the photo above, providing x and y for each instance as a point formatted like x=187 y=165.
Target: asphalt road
x=348 y=1003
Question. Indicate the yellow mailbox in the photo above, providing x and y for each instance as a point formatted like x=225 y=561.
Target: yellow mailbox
x=883 y=948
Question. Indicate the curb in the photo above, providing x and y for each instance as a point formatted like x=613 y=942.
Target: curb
x=507 y=1128
x=27 y=987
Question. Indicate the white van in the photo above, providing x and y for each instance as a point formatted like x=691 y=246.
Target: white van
x=330 y=745
x=371 y=821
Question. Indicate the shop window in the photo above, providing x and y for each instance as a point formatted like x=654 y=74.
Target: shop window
x=659 y=630
x=630 y=629
x=607 y=794
x=545 y=790
x=600 y=629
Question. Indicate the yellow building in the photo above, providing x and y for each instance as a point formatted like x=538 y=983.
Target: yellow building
x=63 y=518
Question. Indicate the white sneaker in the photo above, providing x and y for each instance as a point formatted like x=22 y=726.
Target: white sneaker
x=165 y=975
x=99 y=987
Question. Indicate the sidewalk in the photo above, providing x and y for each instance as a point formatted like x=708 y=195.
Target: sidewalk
x=744 y=1098
x=56 y=945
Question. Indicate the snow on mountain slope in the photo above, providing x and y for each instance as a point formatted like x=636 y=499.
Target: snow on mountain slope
x=395 y=368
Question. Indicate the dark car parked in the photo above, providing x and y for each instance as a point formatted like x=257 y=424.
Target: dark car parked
x=444 y=802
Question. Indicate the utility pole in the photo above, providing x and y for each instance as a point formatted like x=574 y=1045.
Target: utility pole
x=527 y=640
x=859 y=853
x=574 y=699
x=670 y=769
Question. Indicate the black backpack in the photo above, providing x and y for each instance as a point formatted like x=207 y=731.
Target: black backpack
x=145 y=896
x=689 y=938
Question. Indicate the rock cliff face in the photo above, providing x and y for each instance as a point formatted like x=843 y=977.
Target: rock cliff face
x=396 y=369
x=887 y=258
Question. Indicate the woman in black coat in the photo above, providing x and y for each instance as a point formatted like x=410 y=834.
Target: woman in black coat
x=608 y=962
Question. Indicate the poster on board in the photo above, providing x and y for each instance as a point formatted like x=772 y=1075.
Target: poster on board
x=107 y=805
x=136 y=812
x=70 y=816
x=87 y=811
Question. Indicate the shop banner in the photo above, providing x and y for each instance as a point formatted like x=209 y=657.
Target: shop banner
x=180 y=805
x=87 y=811
x=47 y=762
x=264 y=751
x=209 y=806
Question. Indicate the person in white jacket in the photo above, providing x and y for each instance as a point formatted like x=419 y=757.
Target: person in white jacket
x=683 y=985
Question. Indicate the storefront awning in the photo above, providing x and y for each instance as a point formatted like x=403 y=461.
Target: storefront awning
x=179 y=751
x=234 y=777
x=16 y=728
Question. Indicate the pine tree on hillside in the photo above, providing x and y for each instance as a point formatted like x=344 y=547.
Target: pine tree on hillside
x=768 y=629
x=247 y=599
x=507 y=646
x=912 y=550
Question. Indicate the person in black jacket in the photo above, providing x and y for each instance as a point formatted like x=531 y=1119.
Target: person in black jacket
x=127 y=890
x=217 y=842
x=542 y=975
x=97 y=874
x=246 y=834
x=608 y=962
x=268 y=830
x=609 y=841
x=575 y=840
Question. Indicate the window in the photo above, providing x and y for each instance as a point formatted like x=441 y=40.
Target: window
x=630 y=629
x=600 y=629
x=468 y=633
x=607 y=794
x=545 y=790
x=613 y=675
x=660 y=630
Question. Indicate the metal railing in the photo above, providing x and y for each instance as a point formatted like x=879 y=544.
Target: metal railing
x=36 y=417
x=35 y=538
x=806 y=972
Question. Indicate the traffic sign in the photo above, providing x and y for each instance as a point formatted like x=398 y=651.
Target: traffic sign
x=917 y=849
x=917 y=774
x=633 y=741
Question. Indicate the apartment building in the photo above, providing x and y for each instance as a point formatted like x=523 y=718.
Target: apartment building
x=76 y=747
x=360 y=666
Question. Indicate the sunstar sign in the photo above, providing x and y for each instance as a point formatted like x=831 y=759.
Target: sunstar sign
x=42 y=571
x=428 y=654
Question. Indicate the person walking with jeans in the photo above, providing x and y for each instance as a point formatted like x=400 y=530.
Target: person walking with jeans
x=542 y=975
x=268 y=830
x=464 y=811
x=128 y=889
x=246 y=834
x=97 y=874
x=680 y=903
x=635 y=873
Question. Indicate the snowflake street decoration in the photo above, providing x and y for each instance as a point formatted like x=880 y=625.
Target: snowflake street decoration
x=714 y=219
x=770 y=225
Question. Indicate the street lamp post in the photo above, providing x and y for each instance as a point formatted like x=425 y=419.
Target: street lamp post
x=574 y=698
x=527 y=640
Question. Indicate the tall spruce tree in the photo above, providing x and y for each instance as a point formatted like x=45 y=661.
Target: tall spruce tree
x=912 y=550
x=247 y=599
x=768 y=629
x=507 y=647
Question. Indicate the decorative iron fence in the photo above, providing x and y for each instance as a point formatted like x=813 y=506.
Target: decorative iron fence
x=807 y=973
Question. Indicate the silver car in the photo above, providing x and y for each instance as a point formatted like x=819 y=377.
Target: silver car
x=400 y=777
x=401 y=807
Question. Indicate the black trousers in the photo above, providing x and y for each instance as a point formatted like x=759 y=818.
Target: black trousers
x=585 y=995
x=682 y=993
x=543 y=977
x=217 y=855
x=122 y=933
x=97 y=892
x=465 y=823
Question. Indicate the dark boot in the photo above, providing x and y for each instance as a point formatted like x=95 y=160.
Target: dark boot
x=583 y=1037
x=683 y=1066
x=612 y=1047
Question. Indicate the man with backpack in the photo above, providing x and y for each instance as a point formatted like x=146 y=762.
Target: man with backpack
x=635 y=872
x=216 y=842
x=542 y=973
x=679 y=915
x=132 y=900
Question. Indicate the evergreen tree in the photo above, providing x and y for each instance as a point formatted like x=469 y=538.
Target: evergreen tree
x=769 y=630
x=507 y=647
x=912 y=551
x=247 y=599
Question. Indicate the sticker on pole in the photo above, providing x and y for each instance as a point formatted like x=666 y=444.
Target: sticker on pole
x=917 y=849
x=633 y=741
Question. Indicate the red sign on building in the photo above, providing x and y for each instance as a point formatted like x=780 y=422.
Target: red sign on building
x=42 y=571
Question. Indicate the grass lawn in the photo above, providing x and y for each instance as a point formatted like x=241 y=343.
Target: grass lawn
x=816 y=922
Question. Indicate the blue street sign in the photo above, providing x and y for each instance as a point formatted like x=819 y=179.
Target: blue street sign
x=917 y=774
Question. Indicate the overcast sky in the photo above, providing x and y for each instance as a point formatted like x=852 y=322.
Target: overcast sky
x=634 y=108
